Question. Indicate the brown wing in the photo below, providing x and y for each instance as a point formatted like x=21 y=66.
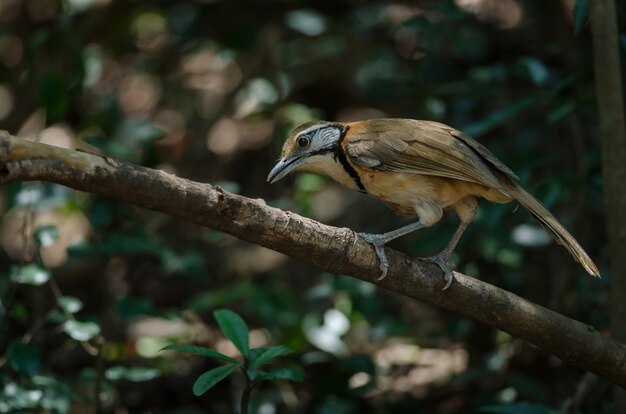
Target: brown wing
x=423 y=147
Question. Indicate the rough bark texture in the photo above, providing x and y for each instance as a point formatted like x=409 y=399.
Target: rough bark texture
x=331 y=249
x=607 y=69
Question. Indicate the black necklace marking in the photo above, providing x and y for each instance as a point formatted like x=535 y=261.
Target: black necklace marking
x=341 y=156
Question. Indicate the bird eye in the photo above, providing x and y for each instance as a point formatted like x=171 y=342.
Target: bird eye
x=304 y=142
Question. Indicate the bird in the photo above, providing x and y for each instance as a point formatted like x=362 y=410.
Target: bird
x=417 y=168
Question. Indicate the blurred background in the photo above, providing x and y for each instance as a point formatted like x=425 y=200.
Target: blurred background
x=92 y=288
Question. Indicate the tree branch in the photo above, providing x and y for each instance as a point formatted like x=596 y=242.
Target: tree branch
x=329 y=248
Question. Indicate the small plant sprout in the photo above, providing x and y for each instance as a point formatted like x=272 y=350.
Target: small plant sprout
x=236 y=330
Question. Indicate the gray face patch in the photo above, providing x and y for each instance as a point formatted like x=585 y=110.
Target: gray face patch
x=322 y=136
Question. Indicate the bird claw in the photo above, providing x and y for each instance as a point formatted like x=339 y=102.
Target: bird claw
x=379 y=246
x=379 y=241
x=442 y=261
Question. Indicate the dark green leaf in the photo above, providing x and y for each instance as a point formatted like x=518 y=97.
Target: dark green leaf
x=562 y=111
x=81 y=331
x=337 y=405
x=132 y=307
x=207 y=380
x=53 y=94
x=31 y=274
x=534 y=69
x=199 y=350
x=19 y=312
x=24 y=358
x=277 y=374
x=500 y=117
x=234 y=328
x=268 y=354
x=188 y=263
x=56 y=316
x=47 y=235
x=581 y=13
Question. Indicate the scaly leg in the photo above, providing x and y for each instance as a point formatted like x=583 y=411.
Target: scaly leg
x=466 y=209
x=442 y=258
x=379 y=241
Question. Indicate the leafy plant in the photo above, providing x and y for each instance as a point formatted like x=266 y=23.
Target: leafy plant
x=32 y=389
x=235 y=329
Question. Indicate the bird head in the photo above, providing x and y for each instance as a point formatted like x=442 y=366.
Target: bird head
x=306 y=146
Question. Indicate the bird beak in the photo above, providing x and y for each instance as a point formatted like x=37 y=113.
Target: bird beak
x=283 y=167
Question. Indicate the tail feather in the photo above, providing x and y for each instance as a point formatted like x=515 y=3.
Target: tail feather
x=552 y=226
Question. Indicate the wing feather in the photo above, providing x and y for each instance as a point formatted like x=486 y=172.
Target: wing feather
x=424 y=147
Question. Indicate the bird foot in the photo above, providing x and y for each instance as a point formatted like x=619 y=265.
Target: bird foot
x=442 y=261
x=378 y=241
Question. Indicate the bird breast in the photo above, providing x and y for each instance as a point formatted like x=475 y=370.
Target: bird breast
x=328 y=165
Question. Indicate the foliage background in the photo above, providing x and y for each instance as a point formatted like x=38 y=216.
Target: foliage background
x=208 y=90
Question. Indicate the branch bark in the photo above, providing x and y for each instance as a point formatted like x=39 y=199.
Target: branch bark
x=329 y=248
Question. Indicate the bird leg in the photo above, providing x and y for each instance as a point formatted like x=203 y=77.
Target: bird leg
x=429 y=213
x=379 y=241
x=442 y=258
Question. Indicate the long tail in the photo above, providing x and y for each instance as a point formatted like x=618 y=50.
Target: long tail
x=552 y=226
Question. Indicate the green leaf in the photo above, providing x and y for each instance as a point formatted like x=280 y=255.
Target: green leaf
x=19 y=312
x=207 y=380
x=70 y=304
x=535 y=69
x=24 y=358
x=141 y=131
x=81 y=331
x=199 y=350
x=132 y=307
x=234 y=328
x=53 y=94
x=136 y=374
x=31 y=274
x=268 y=354
x=277 y=374
x=46 y=235
x=580 y=14
x=15 y=398
x=501 y=116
